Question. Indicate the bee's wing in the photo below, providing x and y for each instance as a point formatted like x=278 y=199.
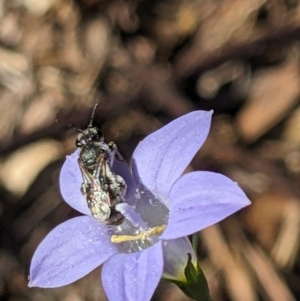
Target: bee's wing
x=86 y=176
x=97 y=197
x=103 y=172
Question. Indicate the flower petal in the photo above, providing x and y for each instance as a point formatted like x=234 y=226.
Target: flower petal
x=200 y=199
x=70 y=182
x=134 y=276
x=120 y=167
x=160 y=159
x=176 y=257
x=70 y=251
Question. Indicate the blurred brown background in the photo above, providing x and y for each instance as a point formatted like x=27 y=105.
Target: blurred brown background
x=146 y=63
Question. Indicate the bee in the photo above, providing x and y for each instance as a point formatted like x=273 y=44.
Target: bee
x=101 y=187
x=103 y=190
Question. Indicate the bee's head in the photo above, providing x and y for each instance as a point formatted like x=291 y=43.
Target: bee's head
x=88 y=136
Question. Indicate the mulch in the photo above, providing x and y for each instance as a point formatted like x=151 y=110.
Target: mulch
x=146 y=63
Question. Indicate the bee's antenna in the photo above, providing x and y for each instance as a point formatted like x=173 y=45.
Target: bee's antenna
x=71 y=126
x=92 y=116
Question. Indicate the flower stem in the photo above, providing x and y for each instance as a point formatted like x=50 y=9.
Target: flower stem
x=195 y=242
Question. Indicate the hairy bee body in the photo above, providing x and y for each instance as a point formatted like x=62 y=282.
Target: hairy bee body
x=103 y=190
x=101 y=187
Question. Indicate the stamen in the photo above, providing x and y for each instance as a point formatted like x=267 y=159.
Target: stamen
x=116 y=239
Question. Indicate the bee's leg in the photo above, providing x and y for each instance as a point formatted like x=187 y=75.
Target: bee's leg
x=113 y=150
x=117 y=188
x=121 y=184
x=115 y=182
x=83 y=189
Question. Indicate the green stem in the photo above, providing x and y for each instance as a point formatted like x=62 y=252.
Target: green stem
x=195 y=242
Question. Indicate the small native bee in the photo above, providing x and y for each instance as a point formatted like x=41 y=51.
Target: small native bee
x=101 y=187
x=103 y=190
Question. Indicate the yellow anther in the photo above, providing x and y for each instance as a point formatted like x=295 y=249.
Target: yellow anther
x=116 y=239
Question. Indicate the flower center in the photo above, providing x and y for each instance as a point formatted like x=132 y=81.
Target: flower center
x=145 y=220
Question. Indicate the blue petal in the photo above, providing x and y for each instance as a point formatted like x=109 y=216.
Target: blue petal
x=200 y=199
x=121 y=168
x=70 y=251
x=134 y=276
x=160 y=159
x=70 y=182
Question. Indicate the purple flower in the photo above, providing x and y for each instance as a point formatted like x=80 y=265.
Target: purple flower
x=162 y=207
